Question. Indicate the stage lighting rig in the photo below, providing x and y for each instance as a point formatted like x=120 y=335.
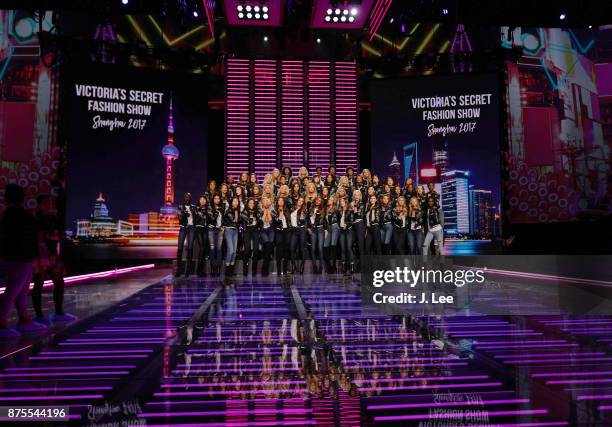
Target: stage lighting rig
x=347 y=14
x=254 y=12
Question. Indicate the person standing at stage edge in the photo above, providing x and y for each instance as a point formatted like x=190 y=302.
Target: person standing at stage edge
x=186 y=215
x=18 y=248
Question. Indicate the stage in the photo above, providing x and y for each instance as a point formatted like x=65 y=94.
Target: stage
x=304 y=350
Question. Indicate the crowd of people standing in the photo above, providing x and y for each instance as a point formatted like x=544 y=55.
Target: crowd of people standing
x=332 y=220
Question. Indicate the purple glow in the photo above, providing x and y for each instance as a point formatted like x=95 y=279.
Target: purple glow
x=430 y=386
x=436 y=416
x=26 y=398
x=99 y=275
x=446 y=404
x=53 y=389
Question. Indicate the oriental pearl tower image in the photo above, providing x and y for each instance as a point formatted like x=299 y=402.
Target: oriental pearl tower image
x=170 y=153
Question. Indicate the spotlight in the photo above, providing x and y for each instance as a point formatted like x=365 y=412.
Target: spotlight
x=124 y=2
x=391 y=20
x=318 y=40
x=327 y=18
x=444 y=11
x=338 y=11
x=329 y=11
x=265 y=16
x=264 y=9
x=241 y=15
x=353 y=11
x=335 y=19
x=351 y=19
x=195 y=13
x=257 y=16
x=256 y=8
x=249 y=15
x=562 y=17
x=590 y=26
x=239 y=8
x=345 y=12
x=248 y=8
x=343 y=19
x=265 y=38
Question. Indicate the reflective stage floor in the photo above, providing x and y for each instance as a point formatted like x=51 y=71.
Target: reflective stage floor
x=304 y=351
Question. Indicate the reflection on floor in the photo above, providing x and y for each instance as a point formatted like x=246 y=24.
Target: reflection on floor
x=305 y=351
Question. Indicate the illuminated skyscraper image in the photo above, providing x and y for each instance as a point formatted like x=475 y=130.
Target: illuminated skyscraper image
x=482 y=213
x=170 y=153
x=394 y=167
x=440 y=158
x=455 y=202
x=411 y=162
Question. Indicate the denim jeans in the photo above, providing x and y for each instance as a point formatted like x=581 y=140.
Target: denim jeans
x=386 y=231
x=298 y=243
x=231 y=245
x=215 y=240
x=415 y=242
x=317 y=246
x=346 y=243
x=373 y=240
x=267 y=235
x=189 y=233
x=434 y=235
x=333 y=233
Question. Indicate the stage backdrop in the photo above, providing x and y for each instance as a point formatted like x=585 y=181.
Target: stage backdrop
x=559 y=96
x=444 y=129
x=137 y=141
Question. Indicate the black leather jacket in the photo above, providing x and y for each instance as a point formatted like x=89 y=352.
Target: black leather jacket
x=434 y=216
x=251 y=219
x=232 y=218
x=315 y=220
x=183 y=215
x=398 y=221
x=348 y=216
x=201 y=216
x=214 y=214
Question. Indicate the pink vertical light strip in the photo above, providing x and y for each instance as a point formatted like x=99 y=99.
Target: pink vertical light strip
x=319 y=114
x=265 y=99
x=377 y=16
x=237 y=117
x=292 y=114
x=346 y=116
x=209 y=8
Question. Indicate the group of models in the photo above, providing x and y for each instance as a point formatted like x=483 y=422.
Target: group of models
x=329 y=219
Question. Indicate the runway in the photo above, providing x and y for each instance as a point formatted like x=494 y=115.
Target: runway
x=303 y=350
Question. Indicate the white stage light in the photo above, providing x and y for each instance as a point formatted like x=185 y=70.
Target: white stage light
x=248 y=8
x=329 y=11
x=327 y=18
x=353 y=11
x=241 y=15
x=239 y=8
x=249 y=15
x=265 y=16
x=257 y=16
x=265 y=9
x=256 y=8
x=338 y=11
x=125 y=2
x=335 y=19
x=345 y=12
x=343 y=19
x=351 y=19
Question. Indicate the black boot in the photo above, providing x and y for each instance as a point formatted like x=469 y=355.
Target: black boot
x=285 y=266
x=347 y=268
x=179 y=268
x=279 y=267
x=254 y=268
x=302 y=267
